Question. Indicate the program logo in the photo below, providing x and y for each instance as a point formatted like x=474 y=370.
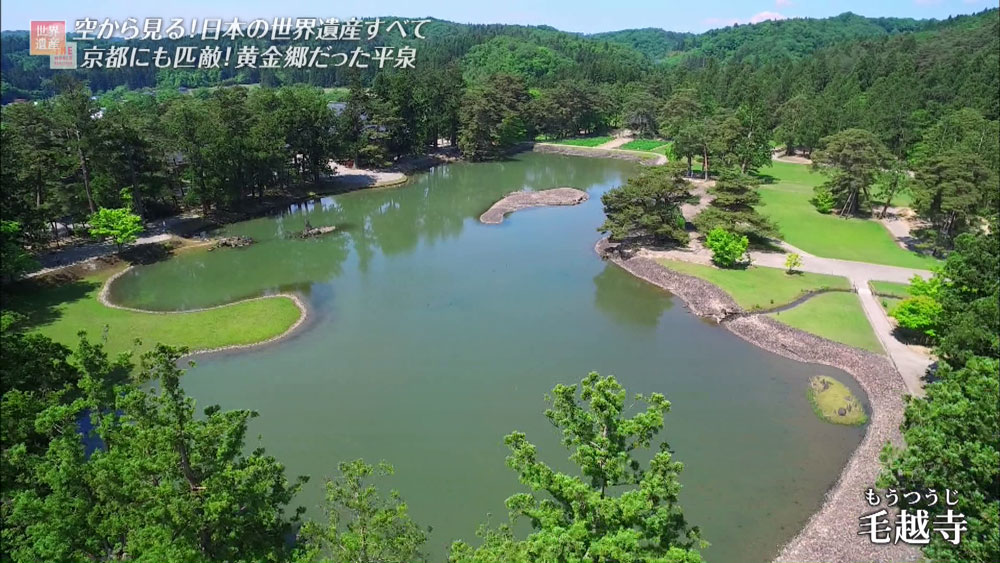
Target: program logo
x=48 y=38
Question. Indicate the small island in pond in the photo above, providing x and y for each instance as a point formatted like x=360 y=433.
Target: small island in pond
x=524 y=200
x=833 y=402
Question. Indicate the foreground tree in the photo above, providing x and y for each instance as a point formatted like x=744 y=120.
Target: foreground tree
x=951 y=434
x=120 y=225
x=362 y=526
x=615 y=509
x=97 y=468
x=648 y=205
x=951 y=444
x=734 y=208
x=970 y=298
x=851 y=158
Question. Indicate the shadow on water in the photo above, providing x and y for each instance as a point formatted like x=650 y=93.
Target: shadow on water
x=627 y=300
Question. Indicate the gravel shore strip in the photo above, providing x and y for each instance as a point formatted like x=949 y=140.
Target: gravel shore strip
x=524 y=200
x=303 y=315
x=649 y=159
x=831 y=534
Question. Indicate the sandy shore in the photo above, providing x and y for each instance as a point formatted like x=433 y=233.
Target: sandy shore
x=649 y=159
x=524 y=200
x=830 y=535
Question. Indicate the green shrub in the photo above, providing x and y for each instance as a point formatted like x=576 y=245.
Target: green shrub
x=823 y=201
x=792 y=262
x=727 y=248
x=918 y=315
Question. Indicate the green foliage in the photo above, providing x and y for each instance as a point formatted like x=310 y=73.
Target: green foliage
x=951 y=444
x=492 y=117
x=823 y=200
x=919 y=315
x=362 y=526
x=727 y=247
x=852 y=158
x=734 y=208
x=970 y=298
x=14 y=261
x=648 y=205
x=156 y=483
x=792 y=262
x=951 y=433
x=120 y=225
x=580 y=517
x=951 y=191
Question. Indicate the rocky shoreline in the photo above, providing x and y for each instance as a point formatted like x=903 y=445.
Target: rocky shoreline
x=515 y=201
x=830 y=535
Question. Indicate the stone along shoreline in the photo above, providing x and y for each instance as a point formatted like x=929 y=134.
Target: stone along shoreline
x=830 y=535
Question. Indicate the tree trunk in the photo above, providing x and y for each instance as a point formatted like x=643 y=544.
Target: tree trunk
x=704 y=163
x=85 y=171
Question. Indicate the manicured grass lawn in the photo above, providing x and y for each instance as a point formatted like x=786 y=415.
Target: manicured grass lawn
x=891 y=289
x=888 y=303
x=643 y=145
x=60 y=312
x=583 y=142
x=786 y=201
x=760 y=288
x=836 y=316
x=830 y=398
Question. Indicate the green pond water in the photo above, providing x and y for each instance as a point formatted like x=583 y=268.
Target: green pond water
x=432 y=336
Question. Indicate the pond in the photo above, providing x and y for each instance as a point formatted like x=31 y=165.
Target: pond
x=432 y=336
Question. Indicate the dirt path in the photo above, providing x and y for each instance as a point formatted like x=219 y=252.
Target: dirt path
x=901 y=222
x=615 y=143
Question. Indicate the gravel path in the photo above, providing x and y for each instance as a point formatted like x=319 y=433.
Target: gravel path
x=830 y=535
x=615 y=143
x=911 y=364
x=524 y=200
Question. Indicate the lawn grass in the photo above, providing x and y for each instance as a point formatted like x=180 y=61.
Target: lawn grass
x=889 y=303
x=643 y=145
x=833 y=402
x=583 y=141
x=786 y=202
x=61 y=311
x=760 y=288
x=890 y=289
x=836 y=316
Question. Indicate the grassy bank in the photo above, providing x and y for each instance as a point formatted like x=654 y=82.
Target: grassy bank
x=786 y=201
x=835 y=316
x=583 y=141
x=760 y=288
x=61 y=311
